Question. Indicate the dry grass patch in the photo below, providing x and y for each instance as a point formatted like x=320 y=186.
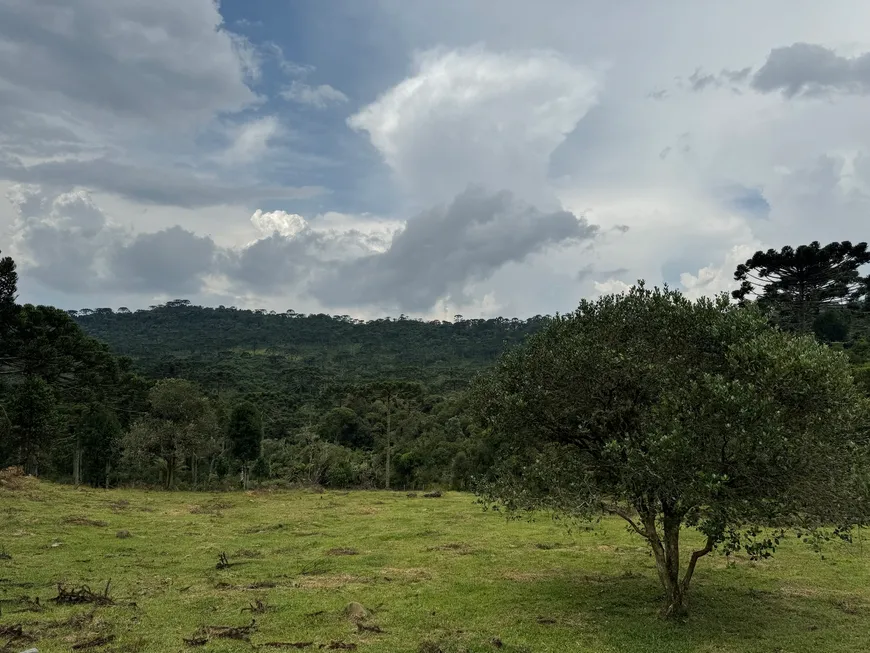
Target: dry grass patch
x=82 y=520
x=330 y=581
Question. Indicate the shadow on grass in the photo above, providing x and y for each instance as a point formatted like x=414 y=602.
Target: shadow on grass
x=622 y=612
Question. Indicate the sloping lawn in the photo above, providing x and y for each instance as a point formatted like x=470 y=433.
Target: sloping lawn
x=433 y=574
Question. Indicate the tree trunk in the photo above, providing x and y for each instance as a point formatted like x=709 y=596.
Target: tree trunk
x=388 y=444
x=77 y=462
x=675 y=593
x=666 y=551
x=668 y=567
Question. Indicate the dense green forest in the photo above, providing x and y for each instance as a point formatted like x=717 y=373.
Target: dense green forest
x=323 y=381
x=192 y=396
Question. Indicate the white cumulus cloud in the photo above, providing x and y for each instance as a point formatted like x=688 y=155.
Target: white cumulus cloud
x=280 y=222
x=474 y=116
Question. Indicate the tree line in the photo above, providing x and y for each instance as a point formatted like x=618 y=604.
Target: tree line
x=324 y=399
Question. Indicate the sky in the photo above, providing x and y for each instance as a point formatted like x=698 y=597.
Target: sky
x=386 y=157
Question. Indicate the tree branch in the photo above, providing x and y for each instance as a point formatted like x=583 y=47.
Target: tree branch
x=616 y=510
x=696 y=555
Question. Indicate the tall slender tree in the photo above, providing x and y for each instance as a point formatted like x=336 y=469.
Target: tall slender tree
x=392 y=392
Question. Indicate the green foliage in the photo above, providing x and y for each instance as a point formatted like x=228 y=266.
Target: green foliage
x=245 y=432
x=672 y=413
x=343 y=426
x=99 y=433
x=48 y=363
x=328 y=376
x=862 y=377
x=181 y=425
x=33 y=414
x=295 y=368
x=222 y=467
x=833 y=325
x=260 y=469
x=8 y=290
x=795 y=284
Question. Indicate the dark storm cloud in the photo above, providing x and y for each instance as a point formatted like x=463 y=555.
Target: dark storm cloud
x=444 y=248
x=162 y=186
x=699 y=81
x=173 y=261
x=806 y=69
x=157 y=61
x=69 y=245
x=82 y=83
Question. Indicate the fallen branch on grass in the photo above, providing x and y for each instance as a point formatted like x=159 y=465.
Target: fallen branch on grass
x=287 y=644
x=336 y=646
x=204 y=634
x=83 y=594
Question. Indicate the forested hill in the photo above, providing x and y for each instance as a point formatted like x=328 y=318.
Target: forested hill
x=290 y=357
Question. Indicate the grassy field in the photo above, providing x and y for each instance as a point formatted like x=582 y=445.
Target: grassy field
x=434 y=574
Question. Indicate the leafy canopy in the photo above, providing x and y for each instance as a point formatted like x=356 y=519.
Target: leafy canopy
x=246 y=432
x=671 y=413
x=798 y=282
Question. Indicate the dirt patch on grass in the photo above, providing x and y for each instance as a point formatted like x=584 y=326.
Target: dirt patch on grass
x=850 y=605
x=460 y=548
x=75 y=621
x=296 y=645
x=367 y=510
x=204 y=634
x=254 y=530
x=802 y=592
x=12 y=634
x=93 y=642
x=330 y=581
x=412 y=574
x=550 y=546
x=82 y=520
x=262 y=584
x=526 y=576
x=342 y=551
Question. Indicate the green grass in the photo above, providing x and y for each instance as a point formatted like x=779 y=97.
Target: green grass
x=430 y=570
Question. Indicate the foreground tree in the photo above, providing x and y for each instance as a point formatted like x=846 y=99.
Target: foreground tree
x=798 y=283
x=671 y=414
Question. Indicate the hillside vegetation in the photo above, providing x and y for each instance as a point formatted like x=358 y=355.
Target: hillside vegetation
x=301 y=355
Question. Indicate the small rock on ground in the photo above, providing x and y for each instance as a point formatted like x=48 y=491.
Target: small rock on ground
x=355 y=611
